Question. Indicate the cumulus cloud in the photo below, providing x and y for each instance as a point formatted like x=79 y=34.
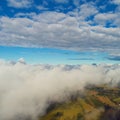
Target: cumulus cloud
x=84 y=11
x=19 y=3
x=26 y=90
x=57 y=30
x=87 y=10
x=21 y=60
x=82 y=28
x=104 y=18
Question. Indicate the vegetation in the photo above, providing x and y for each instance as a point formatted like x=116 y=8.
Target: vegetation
x=98 y=103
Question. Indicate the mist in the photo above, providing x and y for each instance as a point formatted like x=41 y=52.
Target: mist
x=26 y=90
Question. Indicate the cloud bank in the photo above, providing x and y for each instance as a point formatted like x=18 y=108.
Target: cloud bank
x=58 y=30
x=81 y=25
x=26 y=90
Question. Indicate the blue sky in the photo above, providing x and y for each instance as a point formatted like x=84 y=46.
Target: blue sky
x=55 y=56
x=60 y=31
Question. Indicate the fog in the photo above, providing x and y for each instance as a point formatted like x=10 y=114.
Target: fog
x=26 y=90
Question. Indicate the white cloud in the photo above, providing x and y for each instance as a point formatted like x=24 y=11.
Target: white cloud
x=49 y=17
x=77 y=2
x=102 y=18
x=25 y=90
x=86 y=10
x=20 y=3
x=24 y=15
x=40 y=7
x=73 y=30
x=21 y=60
x=57 y=30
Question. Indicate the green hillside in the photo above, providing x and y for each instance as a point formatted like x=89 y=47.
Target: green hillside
x=97 y=103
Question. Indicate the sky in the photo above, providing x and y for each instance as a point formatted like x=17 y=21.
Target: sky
x=60 y=31
x=45 y=33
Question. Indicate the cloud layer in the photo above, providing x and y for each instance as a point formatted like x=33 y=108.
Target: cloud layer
x=85 y=26
x=58 y=30
x=26 y=90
